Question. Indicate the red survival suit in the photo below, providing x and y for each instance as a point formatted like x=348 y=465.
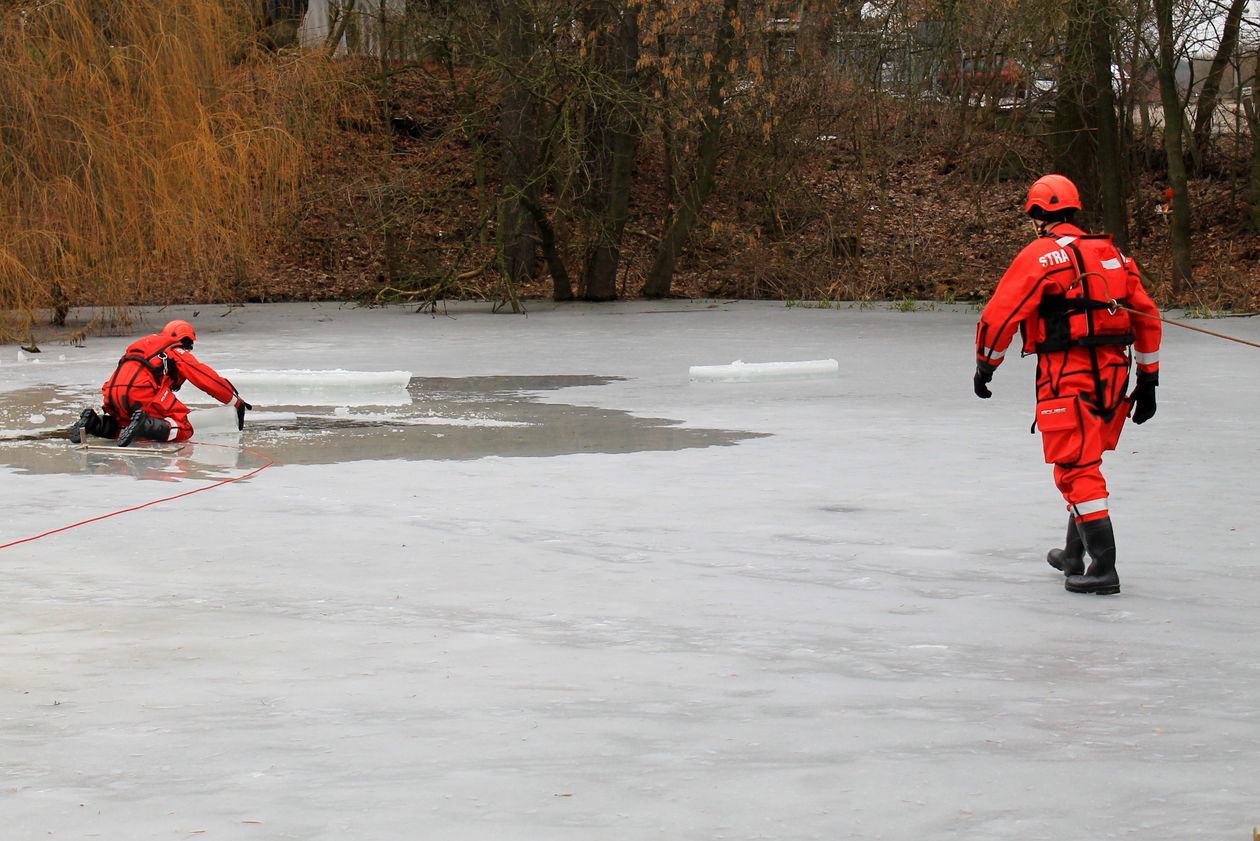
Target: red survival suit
x=1058 y=292
x=147 y=377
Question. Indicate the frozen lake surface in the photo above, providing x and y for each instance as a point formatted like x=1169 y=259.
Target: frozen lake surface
x=541 y=586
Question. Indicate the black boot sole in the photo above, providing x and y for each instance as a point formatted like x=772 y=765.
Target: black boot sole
x=1092 y=589
x=80 y=426
x=129 y=431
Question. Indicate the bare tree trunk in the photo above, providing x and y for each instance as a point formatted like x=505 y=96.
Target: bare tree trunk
x=1209 y=94
x=1074 y=152
x=1111 y=184
x=1085 y=115
x=611 y=144
x=517 y=232
x=1174 y=126
x=562 y=288
x=668 y=145
x=815 y=39
x=340 y=17
x=1253 y=123
x=661 y=275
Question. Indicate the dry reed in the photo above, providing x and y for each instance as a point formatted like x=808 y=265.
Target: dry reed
x=147 y=150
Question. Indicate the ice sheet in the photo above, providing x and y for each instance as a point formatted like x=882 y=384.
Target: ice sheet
x=834 y=620
x=743 y=372
x=217 y=419
x=336 y=387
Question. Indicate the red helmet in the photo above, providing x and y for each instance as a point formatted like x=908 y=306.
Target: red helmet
x=180 y=330
x=1051 y=193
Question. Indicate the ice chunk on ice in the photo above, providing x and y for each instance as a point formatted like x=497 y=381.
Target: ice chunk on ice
x=304 y=378
x=218 y=419
x=337 y=387
x=740 y=371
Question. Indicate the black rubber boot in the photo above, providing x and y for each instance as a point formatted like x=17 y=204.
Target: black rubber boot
x=100 y=426
x=88 y=422
x=144 y=427
x=1071 y=558
x=1100 y=543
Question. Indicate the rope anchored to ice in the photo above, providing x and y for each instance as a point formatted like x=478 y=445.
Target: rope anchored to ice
x=268 y=461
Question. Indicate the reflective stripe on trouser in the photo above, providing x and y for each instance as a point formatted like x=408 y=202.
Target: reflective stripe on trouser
x=1091 y=510
x=1084 y=489
x=181 y=429
x=1095 y=509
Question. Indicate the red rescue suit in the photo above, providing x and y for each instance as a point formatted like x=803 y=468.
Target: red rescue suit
x=1058 y=292
x=147 y=377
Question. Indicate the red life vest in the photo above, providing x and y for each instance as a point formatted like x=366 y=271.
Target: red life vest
x=152 y=356
x=143 y=371
x=1085 y=313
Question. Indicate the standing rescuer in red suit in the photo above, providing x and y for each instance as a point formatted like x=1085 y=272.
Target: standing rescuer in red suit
x=1064 y=293
x=139 y=397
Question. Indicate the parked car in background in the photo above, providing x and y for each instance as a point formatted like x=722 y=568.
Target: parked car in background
x=993 y=78
x=1038 y=95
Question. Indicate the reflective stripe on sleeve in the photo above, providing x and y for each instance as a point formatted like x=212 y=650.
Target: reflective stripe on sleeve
x=1145 y=358
x=1065 y=241
x=1111 y=264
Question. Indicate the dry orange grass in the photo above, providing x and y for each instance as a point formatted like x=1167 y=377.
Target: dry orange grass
x=146 y=152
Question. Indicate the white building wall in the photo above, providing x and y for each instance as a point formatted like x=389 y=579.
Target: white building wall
x=365 y=33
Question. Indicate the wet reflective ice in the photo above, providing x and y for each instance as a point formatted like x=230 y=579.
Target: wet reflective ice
x=557 y=591
x=431 y=418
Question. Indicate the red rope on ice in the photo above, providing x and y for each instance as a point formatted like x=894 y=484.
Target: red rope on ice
x=269 y=461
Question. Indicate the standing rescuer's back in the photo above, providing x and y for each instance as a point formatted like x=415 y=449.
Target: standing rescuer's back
x=1068 y=293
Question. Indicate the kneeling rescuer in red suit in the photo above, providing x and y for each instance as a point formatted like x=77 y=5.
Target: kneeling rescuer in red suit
x=139 y=399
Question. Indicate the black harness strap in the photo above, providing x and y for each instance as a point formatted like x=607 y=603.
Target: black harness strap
x=1057 y=311
x=1100 y=395
x=159 y=366
x=166 y=367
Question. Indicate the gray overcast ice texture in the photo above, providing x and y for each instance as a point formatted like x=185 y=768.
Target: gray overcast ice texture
x=555 y=591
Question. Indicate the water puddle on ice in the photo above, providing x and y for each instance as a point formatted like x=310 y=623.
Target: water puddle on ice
x=432 y=418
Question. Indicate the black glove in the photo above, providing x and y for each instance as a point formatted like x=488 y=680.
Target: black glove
x=241 y=406
x=984 y=374
x=1143 y=397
